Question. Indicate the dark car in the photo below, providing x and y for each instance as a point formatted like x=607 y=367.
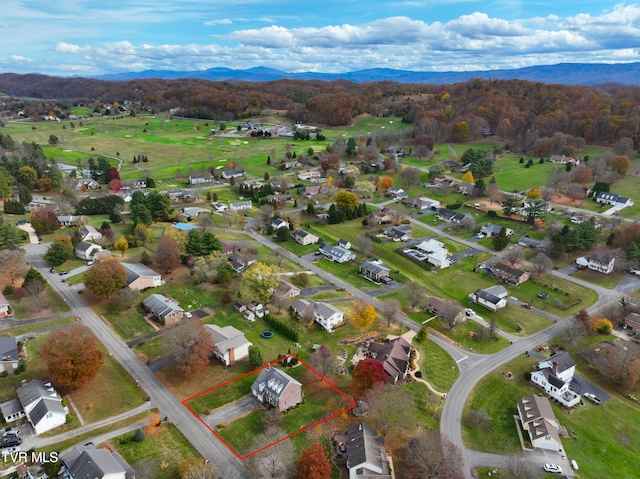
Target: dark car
x=10 y=441
x=52 y=270
x=62 y=273
x=543 y=295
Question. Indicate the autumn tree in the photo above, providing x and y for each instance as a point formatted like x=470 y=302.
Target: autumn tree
x=105 y=277
x=190 y=348
x=314 y=463
x=362 y=313
x=323 y=359
x=386 y=182
x=620 y=164
x=364 y=189
x=260 y=281
x=346 y=199
x=27 y=176
x=367 y=374
x=430 y=455
x=121 y=245
x=12 y=263
x=390 y=309
x=167 y=255
x=197 y=469
x=468 y=178
x=72 y=356
x=415 y=294
x=409 y=177
x=44 y=221
x=602 y=326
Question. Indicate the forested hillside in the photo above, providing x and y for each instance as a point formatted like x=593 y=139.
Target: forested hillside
x=520 y=112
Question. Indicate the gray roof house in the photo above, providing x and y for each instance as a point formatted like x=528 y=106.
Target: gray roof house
x=86 y=251
x=87 y=462
x=487 y=299
x=376 y=271
x=537 y=418
x=325 y=314
x=230 y=344
x=40 y=403
x=336 y=253
x=450 y=215
x=9 y=354
x=365 y=455
x=89 y=233
x=141 y=277
x=167 y=310
x=4 y=306
x=394 y=356
x=277 y=388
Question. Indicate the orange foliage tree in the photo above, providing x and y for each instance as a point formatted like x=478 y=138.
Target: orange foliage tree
x=72 y=357
x=367 y=374
x=362 y=313
x=105 y=277
x=314 y=463
x=386 y=182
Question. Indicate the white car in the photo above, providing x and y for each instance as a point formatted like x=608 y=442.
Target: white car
x=592 y=397
x=470 y=312
x=554 y=468
x=188 y=314
x=635 y=271
x=10 y=450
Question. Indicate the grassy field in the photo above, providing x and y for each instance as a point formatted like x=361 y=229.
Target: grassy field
x=34 y=327
x=162 y=452
x=438 y=368
x=23 y=309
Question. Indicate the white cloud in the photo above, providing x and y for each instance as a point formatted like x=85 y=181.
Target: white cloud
x=221 y=21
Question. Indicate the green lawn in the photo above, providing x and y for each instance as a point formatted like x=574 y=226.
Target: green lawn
x=23 y=310
x=34 y=327
x=438 y=368
x=165 y=450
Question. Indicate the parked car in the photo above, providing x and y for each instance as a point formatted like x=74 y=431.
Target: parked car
x=10 y=441
x=11 y=432
x=62 y=273
x=10 y=450
x=526 y=305
x=470 y=312
x=574 y=464
x=188 y=314
x=554 y=468
x=52 y=271
x=543 y=295
x=592 y=397
x=90 y=263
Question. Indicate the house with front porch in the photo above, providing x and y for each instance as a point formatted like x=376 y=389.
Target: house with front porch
x=509 y=274
x=38 y=402
x=167 y=310
x=86 y=251
x=336 y=253
x=554 y=375
x=602 y=264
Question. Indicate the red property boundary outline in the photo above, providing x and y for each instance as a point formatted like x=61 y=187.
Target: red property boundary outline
x=352 y=404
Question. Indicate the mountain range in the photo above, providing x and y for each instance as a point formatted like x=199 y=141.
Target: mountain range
x=562 y=73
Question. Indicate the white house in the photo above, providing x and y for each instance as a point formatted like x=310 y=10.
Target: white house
x=344 y=244
x=537 y=418
x=71 y=220
x=193 y=212
x=240 y=205
x=325 y=314
x=366 y=457
x=488 y=299
x=86 y=251
x=40 y=403
x=228 y=174
x=554 y=375
x=309 y=174
x=278 y=223
x=199 y=179
x=230 y=344
x=4 y=306
x=602 y=265
x=89 y=233
x=613 y=199
x=436 y=253
x=304 y=237
x=336 y=253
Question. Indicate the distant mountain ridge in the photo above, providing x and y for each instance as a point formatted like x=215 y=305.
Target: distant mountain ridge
x=562 y=73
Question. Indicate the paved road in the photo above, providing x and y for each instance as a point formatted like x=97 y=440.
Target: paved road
x=201 y=438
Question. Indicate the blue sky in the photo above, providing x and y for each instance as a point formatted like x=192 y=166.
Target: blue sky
x=92 y=37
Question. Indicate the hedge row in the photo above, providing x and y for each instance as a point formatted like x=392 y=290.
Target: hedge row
x=282 y=328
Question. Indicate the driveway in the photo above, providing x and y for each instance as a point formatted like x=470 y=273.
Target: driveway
x=232 y=411
x=33 y=237
x=582 y=386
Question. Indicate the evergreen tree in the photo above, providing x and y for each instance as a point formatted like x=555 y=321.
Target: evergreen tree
x=501 y=240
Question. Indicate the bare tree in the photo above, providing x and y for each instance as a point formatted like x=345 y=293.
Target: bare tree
x=450 y=313
x=266 y=212
x=520 y=467
x=190 y=347
x=468 y=223
x=37 y=302
x=232 y=217
x=415 y=293
x=306 y=318
x=205 y=221
x=384 y=412
x=323 y=359
x=541 y=263
x=495 y=193
x=409 y=177
x=430 y=455
x=128 y=297
x=479 y=419
x=390 y=309
x=364 y=244
x=275 y=462
x=514 y=254
x=278 y=298
x=34 y=287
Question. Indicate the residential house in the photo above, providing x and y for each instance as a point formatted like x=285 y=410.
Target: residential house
x=86 y=251
x=304 y=237
x=344 y=244
x=325 y=314
x=9 y=354
x=451 y=216
x=141 y=277
x=376 y=271
x=613 y=199
x=315 y=190
x=219 y=207
x=510 y=275
x=4 y=306
x=632 y=322
x=86 y=184
x=563 y=160
x=439 y=306
x=239 y=262
x=228 y=174
x=200 y=179
x=89 y=233
x=193 y=212
x=336 y=253
x=530 y=243
x=288 y=164
x=230 y=344
x=554 y=375
x=487 y=299
x=467 y=189
x=240 y=205
x=604 y=264
x=490 y=230
x=436 y=253
x=139 y=183
x=422 y=203
x=40 y=403
x=537 y=418
x=381 y=216
x=399 y=233
x=278 y=223
x=394 y=356
x=38 y=203
x=366 y=458
x=88 y=462
x=396 y=193
x=287 y=290
x=180 y=195
x=309 y=174
x=165 y=309
x=278 y=198
x=72 y=220
x=277 y=388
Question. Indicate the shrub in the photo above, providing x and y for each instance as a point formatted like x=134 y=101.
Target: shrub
x=281 y=327
x=8 y=290
x=492 y=213
x=139 y=435
x=423 y=334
